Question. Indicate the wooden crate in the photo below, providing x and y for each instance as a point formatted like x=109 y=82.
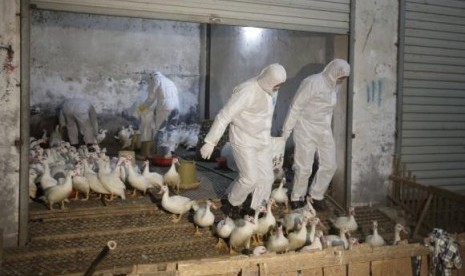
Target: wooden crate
x=361 y=260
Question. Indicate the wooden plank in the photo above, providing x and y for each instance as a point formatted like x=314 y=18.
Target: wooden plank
x=432 y=100
x=433 y=59
x=358 y=269
x=423 y=214
x=397 y=267
x=424 y=269
x=312 y=272
x=433 y=51
x=339 y=270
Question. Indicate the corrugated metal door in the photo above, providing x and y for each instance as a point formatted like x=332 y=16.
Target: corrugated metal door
x=432 y=123
x=306 y=15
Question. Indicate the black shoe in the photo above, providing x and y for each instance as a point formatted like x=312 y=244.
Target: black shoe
x=297 y=204
x=320 y=205
x=229 y=210
x=247 y=211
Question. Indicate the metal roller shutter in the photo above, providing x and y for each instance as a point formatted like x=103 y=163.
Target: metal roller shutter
x=307 y=15
x=432 y=141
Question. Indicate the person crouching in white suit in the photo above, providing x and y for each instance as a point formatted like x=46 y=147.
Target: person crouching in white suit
x=163 y=93
x=309 y=118
x=249 y=113
x=80 y=113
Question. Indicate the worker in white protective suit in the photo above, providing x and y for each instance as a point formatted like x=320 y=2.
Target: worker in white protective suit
x=249 y=113
x=78 y=115
x=309 y=118
x=163 y=93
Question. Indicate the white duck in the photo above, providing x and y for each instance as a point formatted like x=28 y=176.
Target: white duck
x=172 y=177
x=32 y=183
x=258 y=211
x=46 y=180
x=298 y=238
x=203 y=216
x=314 y=222
x=291 y=220
x=278 y=242
x=280 y=194
x=178 y=205
x=317 y=243
x=60 y=192
x=223 y=229
x=102 y=133
x=110 y=179
x=259 y=250
x=125 y=136
x=267 y=222
x=397 y=229
x=352 y=241
x=241 y=234
x=346 y=222
x=94 y=182
x=81 y=183
x=334 y=240
x=136 y=180
x=155 y=179
x=375 y=239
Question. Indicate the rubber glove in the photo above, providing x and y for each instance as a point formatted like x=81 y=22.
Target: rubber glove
x=207 y=150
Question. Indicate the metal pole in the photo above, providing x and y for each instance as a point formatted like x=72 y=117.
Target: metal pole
x=109 y=246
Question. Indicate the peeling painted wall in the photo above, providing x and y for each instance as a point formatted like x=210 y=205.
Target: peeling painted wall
x=374 y=106
x=102 y=58
x=9 y=124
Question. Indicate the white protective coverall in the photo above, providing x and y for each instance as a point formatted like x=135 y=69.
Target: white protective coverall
x=310 y=118
x=80 y=113
x=163 y=93
x=249 y=112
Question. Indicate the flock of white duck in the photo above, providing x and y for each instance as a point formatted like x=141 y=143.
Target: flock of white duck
x=61 y=167
x=58 y=169
x=299 y=230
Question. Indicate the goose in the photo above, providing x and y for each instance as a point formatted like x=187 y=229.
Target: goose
x=346 y=222
x=171 y=177
x=267 y=222
x=397 y=229
x=178 y=205
x=317 y=243
x=279 y=195
x=298 y=238
x=155 y=179
x=223 y=229
x=278 y=242
x=203 y=216
x=241 y=234
x=375 y=239
x=334 y=240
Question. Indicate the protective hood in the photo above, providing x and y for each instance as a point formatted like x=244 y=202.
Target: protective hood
x=271 y=76
x=336 y=69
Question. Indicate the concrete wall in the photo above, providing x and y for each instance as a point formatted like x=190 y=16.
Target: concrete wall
x=374 y=106
x=102 y=58
x=9 y=124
